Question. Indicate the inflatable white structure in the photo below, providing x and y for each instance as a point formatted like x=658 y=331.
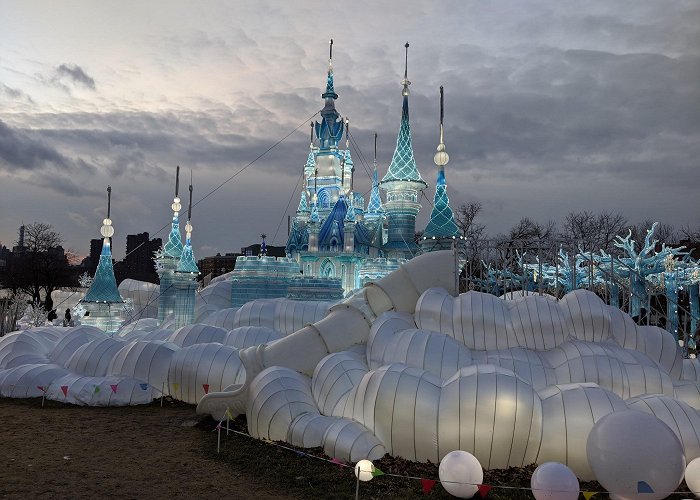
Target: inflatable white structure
x=403 y=366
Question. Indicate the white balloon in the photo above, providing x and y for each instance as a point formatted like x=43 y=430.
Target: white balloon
x=364 y=470
x=625 y=450
x=692 y=476
x=554 y=481
x=460 y=474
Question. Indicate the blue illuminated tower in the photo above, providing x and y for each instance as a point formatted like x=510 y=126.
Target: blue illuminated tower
x=442 y=231
x=375 y=210
x=102 y=300
x=403 y=185
x=168 y=258
x=185 y=277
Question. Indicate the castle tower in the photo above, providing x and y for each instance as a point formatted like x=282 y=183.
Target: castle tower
x=403 y=185
x=185 y=277
x=102 y=303
x=442 y=231
x=375 y=210
x=168 y=258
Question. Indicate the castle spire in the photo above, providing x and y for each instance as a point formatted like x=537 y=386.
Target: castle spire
x=187 y=263
x=442 y=223
x=403 y=185
x=104 y=286
x=403 y=164
x=173 y=247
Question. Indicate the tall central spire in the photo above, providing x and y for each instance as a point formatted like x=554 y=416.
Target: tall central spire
x=330 y=130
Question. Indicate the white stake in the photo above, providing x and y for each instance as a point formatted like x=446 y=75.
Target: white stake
x=357 y=488
x=218 y=438
x=162 y=394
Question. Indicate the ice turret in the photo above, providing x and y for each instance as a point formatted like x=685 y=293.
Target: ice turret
x=185 y=277
x=168 y=258
x=102 y=300
x=403 y=184
x=441 y=231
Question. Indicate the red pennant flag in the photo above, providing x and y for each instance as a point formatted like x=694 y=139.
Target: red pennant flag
x=64 y=388
x=206 y=388
x=336 y=461
x=114 y=387
x=427 y=485
x=41 y=388
x=484 y=490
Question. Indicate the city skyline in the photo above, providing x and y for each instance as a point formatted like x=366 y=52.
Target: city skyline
x=550 y=108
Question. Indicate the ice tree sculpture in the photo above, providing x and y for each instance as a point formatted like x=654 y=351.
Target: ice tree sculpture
x=569 y=274
x=636 y=266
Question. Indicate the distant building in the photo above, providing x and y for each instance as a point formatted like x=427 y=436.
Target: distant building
x=218 y=264
x=139 y=263
x=94 y=258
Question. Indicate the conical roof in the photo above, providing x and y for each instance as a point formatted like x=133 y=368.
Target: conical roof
x=442 y=222
x=104 y=285
x=403 y=164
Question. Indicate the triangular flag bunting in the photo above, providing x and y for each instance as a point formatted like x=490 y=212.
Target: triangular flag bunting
x=64 y=388
x=206 y=388
x=176 y=387
x=588 y=494
x=41 y=388
x=377 y=472
x=143 y=386
x=97 y=389
x=643 y=487
x=484 y=490
x=218 y=426
x=336 y=461
x=114 y=388
x=228 y=414
x=427 y=485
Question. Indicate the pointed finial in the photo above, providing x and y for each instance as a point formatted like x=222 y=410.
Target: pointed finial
x=330 y=50
x=347 y=133
x=405 y=72
x=441 y=157
x=442 y=104
x=109 y=200
x=189 y=209
x=312 y=133
x=375 y=147
x=405 y=81
x=177 y=180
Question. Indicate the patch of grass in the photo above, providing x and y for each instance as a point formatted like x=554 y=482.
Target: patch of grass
x=301 y=476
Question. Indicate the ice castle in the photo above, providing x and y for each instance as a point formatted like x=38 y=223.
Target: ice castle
x=336 y=243
x=333 y=234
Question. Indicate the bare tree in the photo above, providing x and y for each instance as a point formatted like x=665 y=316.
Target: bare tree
x=465 y=216
x=692 y=235
x=591 y=232
x=40 y=265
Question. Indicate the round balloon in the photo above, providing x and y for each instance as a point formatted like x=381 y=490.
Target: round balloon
x=692 y=476
x=554 y=481
x=364 y=470
x=625 y=450
x=460 y=474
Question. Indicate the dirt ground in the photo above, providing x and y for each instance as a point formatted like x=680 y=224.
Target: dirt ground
x=63 y=451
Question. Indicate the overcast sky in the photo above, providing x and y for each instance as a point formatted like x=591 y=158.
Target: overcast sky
x=551 y=106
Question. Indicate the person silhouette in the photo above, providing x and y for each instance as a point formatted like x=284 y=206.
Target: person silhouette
x=67 y=318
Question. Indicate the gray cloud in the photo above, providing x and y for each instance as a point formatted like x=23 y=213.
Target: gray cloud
x=75 y=75
x=20 y=151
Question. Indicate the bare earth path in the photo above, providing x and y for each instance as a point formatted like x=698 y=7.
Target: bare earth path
x=63 y=451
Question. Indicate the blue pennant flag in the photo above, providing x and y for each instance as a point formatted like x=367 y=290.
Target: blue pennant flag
x=143 y=386
x=643 y=487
